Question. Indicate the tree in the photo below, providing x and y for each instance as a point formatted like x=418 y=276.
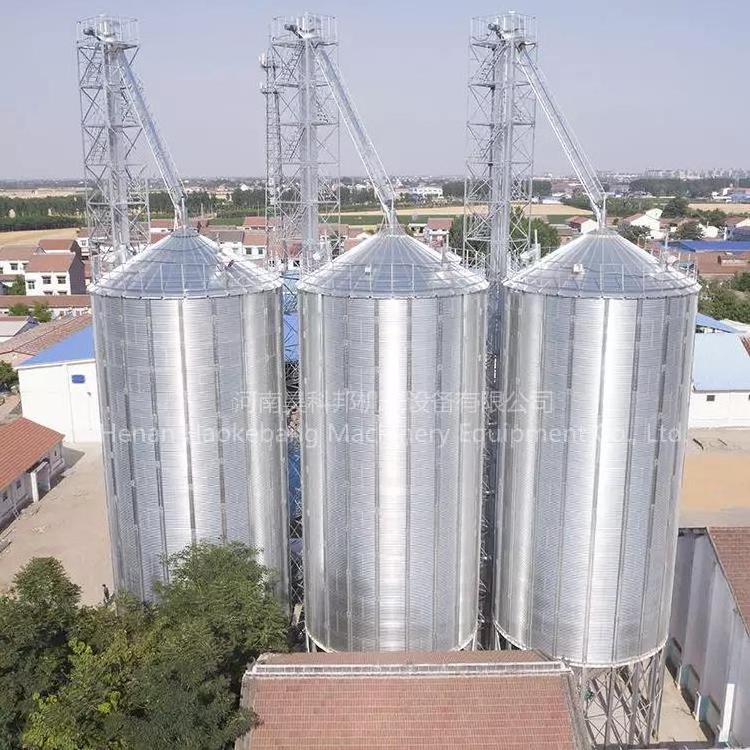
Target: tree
x=741 y=282
x=456 y=235
x=633 y=233
x=42 y=312
x=676 y=208
x=20 y=310
x=546 y=235
x=8 y=376
x=688 y=230
x=18 y=286
x=36 y=620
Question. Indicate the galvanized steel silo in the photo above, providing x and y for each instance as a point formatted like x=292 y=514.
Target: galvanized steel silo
x=190 y=365
x=596 y=390
x=392 y=357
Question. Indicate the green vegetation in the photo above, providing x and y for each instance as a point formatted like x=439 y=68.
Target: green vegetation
x=616 y=207
x=40 y=311
x=726 y=300
x=8 y=377
x=688 y=230
x=18 y=286
x=685 y=188
x=130 y=676
x=636 y=235
x=676 y=208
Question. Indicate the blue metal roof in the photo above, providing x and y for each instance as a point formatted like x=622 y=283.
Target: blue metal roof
x=706 y=321
x=715 y=246
x=74 y=348
x=721 y=363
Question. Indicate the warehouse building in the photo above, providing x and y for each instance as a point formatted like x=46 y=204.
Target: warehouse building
x=59 y=389
x=721 y=381
x=30 y=460
x=497 y=699
x=709 y=647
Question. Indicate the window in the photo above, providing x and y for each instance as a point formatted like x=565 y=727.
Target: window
x=61 y=279
x=30 y=284
x=18 y=484
x=14 y=266
x=711 y=397
x=46 y=279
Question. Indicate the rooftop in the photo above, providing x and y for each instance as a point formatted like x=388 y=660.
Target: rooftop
x=75 y=347
x=732 y=547
x=24 y=443
x=721 y=363
x=53 y=301
x=58 y=244
x=706 y=321
x=18 y=252
x=712 y=246
x=502 y=699
x=44 y=335
x=51 y=263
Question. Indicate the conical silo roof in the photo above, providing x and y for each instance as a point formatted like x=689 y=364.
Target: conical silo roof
x=602 y=264
x=393 y=264
x=184 y=264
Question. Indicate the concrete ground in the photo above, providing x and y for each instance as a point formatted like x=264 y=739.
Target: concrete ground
x=69 y=523
x=678 y=729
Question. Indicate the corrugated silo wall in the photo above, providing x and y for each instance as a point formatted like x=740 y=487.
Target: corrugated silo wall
x=596 y=394
x=392 y=474
x=193 y=441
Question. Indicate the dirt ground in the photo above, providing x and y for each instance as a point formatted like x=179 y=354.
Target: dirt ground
x=69 y=523
x=732 y=209
x=716 y=482
x=28 y=237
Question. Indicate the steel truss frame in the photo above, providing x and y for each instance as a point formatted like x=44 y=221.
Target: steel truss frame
x=621 y=704
x=117 y=208
x=497 y=223
x=303 y=207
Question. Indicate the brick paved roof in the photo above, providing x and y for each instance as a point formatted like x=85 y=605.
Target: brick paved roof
x=53 y=301
x=459 y=700
x=732 y=547
x=57 y=244
x=18 y=252
x=24 y=443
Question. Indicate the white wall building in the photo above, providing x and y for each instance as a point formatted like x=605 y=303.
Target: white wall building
x=27 y=471
x=709 y=642
x=721 y=381
x=55 y=273
x=59 y=388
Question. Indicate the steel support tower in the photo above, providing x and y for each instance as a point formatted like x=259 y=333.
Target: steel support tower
x=497 y=224
x=302 y=200
x=621 y=702
x=117 y=208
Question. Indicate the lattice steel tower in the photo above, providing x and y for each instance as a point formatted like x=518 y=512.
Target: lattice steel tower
x=501 y=123
x=115 y=174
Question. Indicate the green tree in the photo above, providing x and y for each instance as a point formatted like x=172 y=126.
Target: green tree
x=545 y=234
x=634 y=234
x=19 y=310
x=42 y=312
x=676 y=208
x=8 y=376
x=688 y=230
x=741 y=282
x=18 y=286
x=456 y=235
x=36 y=620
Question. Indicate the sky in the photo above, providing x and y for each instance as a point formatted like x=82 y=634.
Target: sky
x=643 y=83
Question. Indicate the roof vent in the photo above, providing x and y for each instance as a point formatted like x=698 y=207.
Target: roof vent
x=578 y=269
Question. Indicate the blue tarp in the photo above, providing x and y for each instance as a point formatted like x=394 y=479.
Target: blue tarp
x=706 y=321
x=708 y=246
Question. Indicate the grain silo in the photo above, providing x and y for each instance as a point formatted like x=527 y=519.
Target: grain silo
x=595 y=393
x=190 y=362
x=392 y=356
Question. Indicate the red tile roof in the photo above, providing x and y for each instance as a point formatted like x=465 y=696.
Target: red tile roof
x=439 y=225
x=51 y=263
x=18 y=252
x=254 y=221
x=53 y=301
x=253 y=238
x=59 y=244
x=732 y=547
x=24 y=443
x=40 y=337
x=495 y=699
